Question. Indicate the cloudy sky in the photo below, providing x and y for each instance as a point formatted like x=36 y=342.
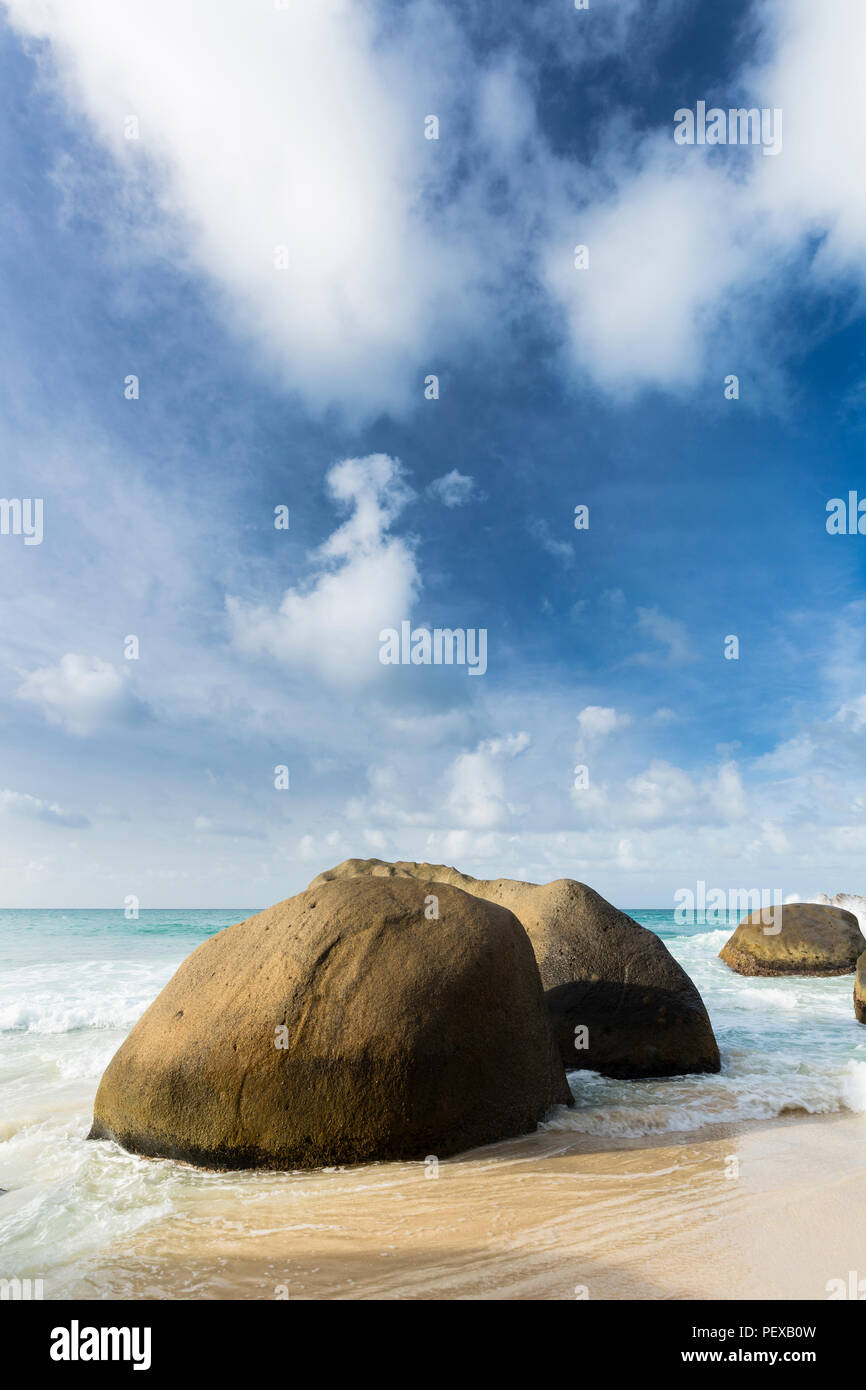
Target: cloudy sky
x=236 y=203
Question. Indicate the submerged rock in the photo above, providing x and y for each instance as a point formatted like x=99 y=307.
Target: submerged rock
x=343 y=1025
x=795 y=939
x=619 y=1003
x=860 y=990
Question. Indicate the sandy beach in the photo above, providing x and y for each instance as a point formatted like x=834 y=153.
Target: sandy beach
x=546 y=1217
x=749 y=1183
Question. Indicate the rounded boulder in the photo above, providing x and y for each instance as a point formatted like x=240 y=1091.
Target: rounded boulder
x=618 y=1001
x=795 y=939
x=364 y=1019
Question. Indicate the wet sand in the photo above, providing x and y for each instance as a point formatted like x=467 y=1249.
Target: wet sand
x=767 y=1210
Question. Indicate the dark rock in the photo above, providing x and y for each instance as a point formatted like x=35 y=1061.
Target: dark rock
x=860 y=990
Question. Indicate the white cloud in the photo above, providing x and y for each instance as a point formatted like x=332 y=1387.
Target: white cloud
x=727 y=792
x=626 y=857
x=668 y=632
x=307 y=848
x=304 y=127
x=660 y=255
x=34 y=808
x=300 y=127
x=477 y=797
x=680 y=250
x=661 y=794
x=367 y=580
x=852 y=714
x=327 y=851
x=82 y=694
x=558 y=549
x=392 y=799
x=474 y=790
x=664 y=795
x=775 y=838
x=598 y=721
x=453 y=489
x=508 y=747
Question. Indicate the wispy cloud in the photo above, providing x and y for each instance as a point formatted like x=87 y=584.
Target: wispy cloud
x=82 y=694
x=317 y=252
x=453 y=489
x=364 y=579
x=34 y=808
x=669 y=633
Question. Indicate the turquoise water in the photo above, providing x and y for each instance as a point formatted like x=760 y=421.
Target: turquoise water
x=73 y=983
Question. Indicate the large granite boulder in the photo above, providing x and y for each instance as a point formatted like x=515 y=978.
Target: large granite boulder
x=619 y=1003
x=860 y=990
x=357 y=1021
x=795 y=939
x=852 y=902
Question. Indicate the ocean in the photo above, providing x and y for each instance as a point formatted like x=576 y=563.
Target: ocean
x=79 y=1215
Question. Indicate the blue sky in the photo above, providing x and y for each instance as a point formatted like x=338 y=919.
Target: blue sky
x=304 y=128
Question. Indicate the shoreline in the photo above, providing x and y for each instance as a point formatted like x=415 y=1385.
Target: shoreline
x=626 y=1197
x=543 y=1217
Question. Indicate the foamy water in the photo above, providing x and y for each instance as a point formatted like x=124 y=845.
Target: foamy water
x=72 y=984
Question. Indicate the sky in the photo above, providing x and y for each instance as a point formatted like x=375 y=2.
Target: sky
x=232 y=261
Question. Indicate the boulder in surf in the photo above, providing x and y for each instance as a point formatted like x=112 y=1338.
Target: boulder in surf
x=360 y=1020
x=795 y=939
x=618 y=1001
